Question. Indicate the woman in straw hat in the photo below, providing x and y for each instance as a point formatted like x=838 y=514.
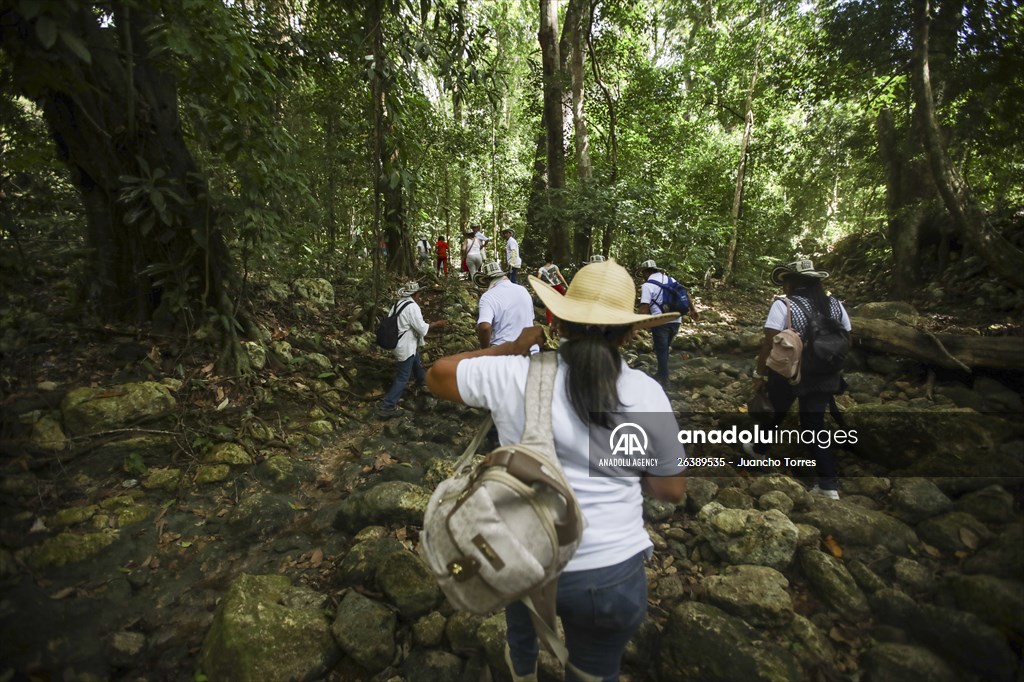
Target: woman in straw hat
x=602 y=592
x=802 y=285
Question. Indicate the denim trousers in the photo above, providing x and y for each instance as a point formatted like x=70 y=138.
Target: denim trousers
x=513 y=275
x=662 y=336
x=601 y=609
x=812 y=408
x=410 y=366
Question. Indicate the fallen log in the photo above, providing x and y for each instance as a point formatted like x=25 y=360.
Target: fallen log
x=952 y=351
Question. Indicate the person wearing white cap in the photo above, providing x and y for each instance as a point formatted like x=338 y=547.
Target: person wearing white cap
x=606 y=574
x=652 y=296
x=802 y=285
x=412 y=328
x=423 y=251
x=506 y=309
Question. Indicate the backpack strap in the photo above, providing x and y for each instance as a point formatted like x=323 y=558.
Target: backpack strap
x=540 y=386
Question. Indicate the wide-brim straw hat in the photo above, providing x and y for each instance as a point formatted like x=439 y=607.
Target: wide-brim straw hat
x=601 y=294
x=408 y=289
x=804 y=268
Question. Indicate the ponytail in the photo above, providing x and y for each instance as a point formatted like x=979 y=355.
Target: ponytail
x=591 y=355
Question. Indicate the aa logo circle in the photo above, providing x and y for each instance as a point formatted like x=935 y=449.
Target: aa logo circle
x=629 y=440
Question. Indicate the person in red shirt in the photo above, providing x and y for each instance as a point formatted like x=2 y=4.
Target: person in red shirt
x=442 y=255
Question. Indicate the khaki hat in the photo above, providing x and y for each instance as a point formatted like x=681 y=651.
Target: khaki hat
x=408 y=289
x=601 y=294
x=492 y=269
x=804 y=268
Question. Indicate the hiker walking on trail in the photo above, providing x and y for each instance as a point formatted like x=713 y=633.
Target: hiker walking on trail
x=550 y=274
x=656 y=292
x=803 y=308
x=512 y=258
x=602 y=592
x=412 y=328
x=506 y=309
x=472 y=249
x=441 y=248
x=422 y=251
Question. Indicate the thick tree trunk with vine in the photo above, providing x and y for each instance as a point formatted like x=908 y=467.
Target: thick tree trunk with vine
x=558 y=236
x=909 y=197
x=1003 y=257
x=575 y=34
x=613 y=141
x=113 y=114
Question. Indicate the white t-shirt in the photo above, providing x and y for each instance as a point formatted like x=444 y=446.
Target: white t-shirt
x=508 y=308
x=411 y=328
x=612 y=506
x=512 y=253
x=473 y=245
x=652 y=294
x=777 y=314
x=422 y=247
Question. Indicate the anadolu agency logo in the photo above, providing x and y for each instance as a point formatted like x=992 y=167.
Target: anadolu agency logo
x=628 y=440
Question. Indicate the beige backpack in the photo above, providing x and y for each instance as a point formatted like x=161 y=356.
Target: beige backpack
x=503 y=530
x=787 y=348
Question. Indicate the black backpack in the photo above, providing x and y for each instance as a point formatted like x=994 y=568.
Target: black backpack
x=826 y=344
x=674 y=296
x=387 y=330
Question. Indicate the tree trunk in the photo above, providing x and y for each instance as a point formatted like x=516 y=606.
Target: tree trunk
x=1003 y=257
x=575 y=35
x=748 y=130
x=558 y=236
x=904 y=212
x=457 y=96
x=613 y=143
x=157 y=255
x=951 y=351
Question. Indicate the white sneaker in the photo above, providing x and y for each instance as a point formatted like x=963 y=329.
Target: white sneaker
x=830 y=494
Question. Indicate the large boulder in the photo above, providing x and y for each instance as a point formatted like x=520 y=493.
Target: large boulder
x=96 y=409
x=960 y=637
x=316 y=290
x=833 y=583
x=702 y=642
x=888 y=662
x=749 y=536
x=267 y=629
x=757 y=594
x=408 y=584
x=851 y=524
x=365 y=629
x=389 y=502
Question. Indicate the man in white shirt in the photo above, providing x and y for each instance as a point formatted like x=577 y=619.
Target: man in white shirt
x=512 y=254
x=423 y=251
x=506 y=309
x=412 y=328
x=651 y=296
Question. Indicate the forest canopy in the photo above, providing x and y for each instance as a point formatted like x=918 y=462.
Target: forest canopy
x=184 y=147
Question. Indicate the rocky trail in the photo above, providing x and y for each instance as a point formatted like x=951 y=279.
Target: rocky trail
x=160 y=522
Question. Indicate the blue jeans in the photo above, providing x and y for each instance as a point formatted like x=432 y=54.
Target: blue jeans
x=812 y=416
x=411 y=365
x=513 y=275
x=601 y=609
x=662 y=336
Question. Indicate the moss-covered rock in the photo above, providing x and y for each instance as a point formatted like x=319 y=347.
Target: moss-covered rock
x=408 y=584
x=365 y=630
x=71 y=516
x=228 y=453
x=47 y=434
x=166 y=479
x=213 y=473
x=93 y=409
x=267 y=629
x=68 y=547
